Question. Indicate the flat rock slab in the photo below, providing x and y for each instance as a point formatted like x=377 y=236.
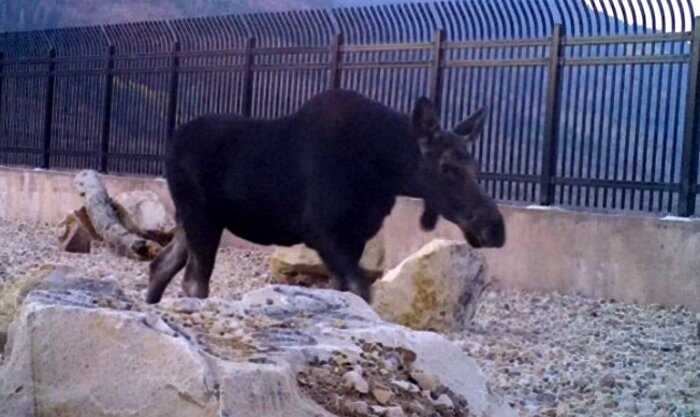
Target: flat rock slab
x=278 y=351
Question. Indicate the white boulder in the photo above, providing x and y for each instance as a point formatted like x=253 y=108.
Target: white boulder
x=437 y=288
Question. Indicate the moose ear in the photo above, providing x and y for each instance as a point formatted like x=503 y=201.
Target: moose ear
x=425 y=118
x=471 y=128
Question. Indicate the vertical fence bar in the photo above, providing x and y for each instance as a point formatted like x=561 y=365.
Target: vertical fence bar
x=247 y=102
x=334 y=63
x=2 y=80
x=48 y=115
x=107 y=109
x=172 y=94
x=691 y=137
x=549 y=151
x=436 y=67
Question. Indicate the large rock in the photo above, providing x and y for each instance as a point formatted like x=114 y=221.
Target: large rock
x=48 y=276
x=301 y=265
x=146 y=210
x=280 y=351
x=437 y=288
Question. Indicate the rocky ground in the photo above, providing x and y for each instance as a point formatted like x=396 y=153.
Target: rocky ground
x=547 y=355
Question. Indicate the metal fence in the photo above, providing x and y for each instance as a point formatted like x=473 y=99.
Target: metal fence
x=594 y=109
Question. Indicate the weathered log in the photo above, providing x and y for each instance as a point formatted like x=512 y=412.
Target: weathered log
x=107 y=221
x=161 y=237
x=78 y=232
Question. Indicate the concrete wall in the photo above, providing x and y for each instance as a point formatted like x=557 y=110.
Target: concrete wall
x=40 y=196
x=628 y=258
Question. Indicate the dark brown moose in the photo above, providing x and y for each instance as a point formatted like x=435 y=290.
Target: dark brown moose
x=326 y=176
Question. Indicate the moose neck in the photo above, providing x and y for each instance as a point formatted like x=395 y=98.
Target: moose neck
x=414 y=185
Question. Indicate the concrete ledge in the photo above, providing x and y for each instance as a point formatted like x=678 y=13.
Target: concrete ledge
x=628 y=258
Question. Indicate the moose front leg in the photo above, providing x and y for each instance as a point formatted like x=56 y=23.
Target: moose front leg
x=343 y=261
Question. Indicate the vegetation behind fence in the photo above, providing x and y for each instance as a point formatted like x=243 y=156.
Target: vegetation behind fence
x=586 y=110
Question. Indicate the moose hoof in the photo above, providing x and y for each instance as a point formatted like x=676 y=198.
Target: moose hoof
x=335 y=283
x=361 y=289
x=195 y=289
x=152 y=298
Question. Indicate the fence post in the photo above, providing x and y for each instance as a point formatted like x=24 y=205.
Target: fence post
x=172 y=94
x=107 y=109
x=247 y=102
x=48 y=115
x=549 y=151
x=335 y=58
x=691 y=136
x=436 y=67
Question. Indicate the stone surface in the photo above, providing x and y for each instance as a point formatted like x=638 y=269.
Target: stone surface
x=300 y=265
x=282 y=348
x=59 y=277
x=437 y=288
x=146 y=210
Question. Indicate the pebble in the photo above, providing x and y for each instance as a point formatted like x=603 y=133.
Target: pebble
x=358 y=407
x=394 y=412
x=406 y=386
x=218 y=328
x=382 y=395
x=424 y=380
x=608 y=381
x=354 y=380
x=444 y=400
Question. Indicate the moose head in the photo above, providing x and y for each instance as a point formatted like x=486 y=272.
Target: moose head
x=447 y=177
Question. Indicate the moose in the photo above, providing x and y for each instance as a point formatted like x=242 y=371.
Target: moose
x=325 y=176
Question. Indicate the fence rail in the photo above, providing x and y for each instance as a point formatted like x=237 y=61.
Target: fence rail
x=607 y=121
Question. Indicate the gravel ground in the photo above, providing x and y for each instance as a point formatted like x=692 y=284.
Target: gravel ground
x=548 y=355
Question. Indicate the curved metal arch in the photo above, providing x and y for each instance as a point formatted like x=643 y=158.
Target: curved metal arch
x=425 y=20
x=350 y=25
x=388 y=30
x=642 y=16
x=410 y=32
x=294 y=28
x=540 y=27
x=140 y=37
x=367 y=18
x=522 y=29
x=25 y=44
x=446 y=20
x=89 y=40
x=306 y=37
x=342 y=25
x=506 y=15
x=431 y=24
x=491 y=26
x=639 y=8
x=407 y=22
x=474 y=19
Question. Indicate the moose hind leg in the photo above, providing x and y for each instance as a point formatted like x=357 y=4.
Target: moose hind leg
x=203 y=244
x=166 y=265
